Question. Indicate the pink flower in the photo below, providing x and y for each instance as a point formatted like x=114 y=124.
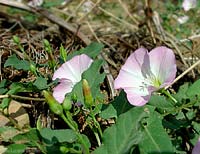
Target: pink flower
x=196 y=149
x=189 y=4
x=143 y=73
x=69 y=74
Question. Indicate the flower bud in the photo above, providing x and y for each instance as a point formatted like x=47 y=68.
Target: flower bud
x=63 y=53
x=88 y=100
x=64 y=149
x=33 y=69
x=67 y=104
x=74 y=97
x=47 y=48
x=54 y=106
x=16 y=39
x=46 y=43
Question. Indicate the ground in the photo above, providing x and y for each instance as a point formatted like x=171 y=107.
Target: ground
x=122 y=26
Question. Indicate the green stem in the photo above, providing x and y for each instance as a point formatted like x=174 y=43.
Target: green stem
x=74 y=151
x=12 y=121
x=169 y=95
x=84 y=144
x=178 y=109
x=82 y=141
x=96 y=134
x=68 y=122
x=97 y=125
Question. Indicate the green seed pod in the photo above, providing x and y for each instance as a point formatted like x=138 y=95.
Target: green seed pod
x=88 y=100
x=67 y=104
x=54 y=106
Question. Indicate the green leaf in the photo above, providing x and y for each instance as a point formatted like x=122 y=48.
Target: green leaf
x=49 y=4
x=31 y=137
x=125 y=134
x=194 y=89
x=116 y=107
x=108 y=111
x=92 y=50
x=7 y=133
x=15 y=149
x=155 y=139
x=3 y=83
x=14 y=89
x=172 y=122
x=40 y=83
x=58 y=136
x=16 y=63
x=181 y=94
x=160 y=102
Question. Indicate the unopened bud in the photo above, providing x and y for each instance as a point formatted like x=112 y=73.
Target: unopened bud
x=54 y=106
x=67 y=104
x=46 y=43
x=74 y=97
x=64 y=149
x=63 y=53
x=47 y=48
x=16 y=39
x=88 y=100
x=33 y=69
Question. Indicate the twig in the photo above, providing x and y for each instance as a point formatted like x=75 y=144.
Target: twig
x=127 y=11
x=16 y=5
x=21 y=97
x=118 y=19
x=94 y=6
x=105 y=66
x=1 y=53
x=172 y=40
x=184 y=73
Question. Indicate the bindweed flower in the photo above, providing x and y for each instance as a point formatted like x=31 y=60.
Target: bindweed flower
x=69 y=74
x=196 y=149
x=189 y=4
x=144 y=73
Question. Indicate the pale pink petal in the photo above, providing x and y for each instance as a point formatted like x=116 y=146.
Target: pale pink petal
x=64 y=87
x=137 y=96
x=73 y=68
x=196 y=149
x=130 y=74
x=163 y=64
x=189 y=4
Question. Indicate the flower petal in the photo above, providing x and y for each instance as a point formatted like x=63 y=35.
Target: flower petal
x=73 y=68
x=62 y=89
x=130 y=74
x=137 y=97
x=189 y=4
x=196 y=149
x=163 y=64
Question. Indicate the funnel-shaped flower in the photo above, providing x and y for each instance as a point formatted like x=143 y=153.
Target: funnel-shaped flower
x=196 y=149
x=189 y=4
x=143 y=73
x=69 y=74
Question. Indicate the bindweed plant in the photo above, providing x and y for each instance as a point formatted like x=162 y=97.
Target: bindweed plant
x=145 y=118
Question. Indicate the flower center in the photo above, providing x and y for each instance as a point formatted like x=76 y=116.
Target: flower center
x=151 y=80
x=156 y=82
